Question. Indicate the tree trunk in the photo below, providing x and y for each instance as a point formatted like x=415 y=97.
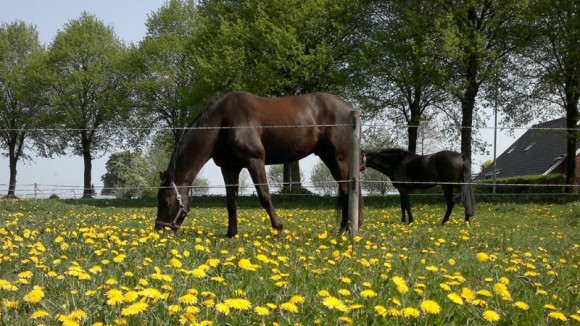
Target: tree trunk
x=571 y=125
x=413 y=129
x=468 y=103
x=291 y=177
x=88 y=190
x=13 y=159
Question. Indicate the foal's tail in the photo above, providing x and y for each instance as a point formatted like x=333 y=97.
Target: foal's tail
x=467 y=197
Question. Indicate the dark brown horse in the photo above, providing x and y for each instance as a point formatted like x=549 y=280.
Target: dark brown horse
x=241 y=130
x=409 y=171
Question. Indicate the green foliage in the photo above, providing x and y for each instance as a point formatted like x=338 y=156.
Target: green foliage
x=282 y=47
x=125 y=175
x=162 y=76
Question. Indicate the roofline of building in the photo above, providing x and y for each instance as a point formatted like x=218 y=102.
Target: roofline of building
x=558 y=162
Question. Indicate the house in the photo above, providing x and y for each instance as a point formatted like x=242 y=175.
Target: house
x=539 y=151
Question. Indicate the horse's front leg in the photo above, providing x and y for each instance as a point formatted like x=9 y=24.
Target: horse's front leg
x=448 y=193
x=258 y=174
x=405 y=205
x=231 y=179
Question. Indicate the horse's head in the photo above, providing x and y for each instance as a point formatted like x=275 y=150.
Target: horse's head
x=172 y=204
x=384 y=161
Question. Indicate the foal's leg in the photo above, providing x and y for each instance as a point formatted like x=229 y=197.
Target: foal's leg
x=405 y=205
x=231 y=179
x=258 y=174
x=448 y=193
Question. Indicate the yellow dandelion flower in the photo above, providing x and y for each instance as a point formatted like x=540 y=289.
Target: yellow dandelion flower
x=135 y=309
x=119 y=258
x=451 y=261
x=345 y=279
x=521 y=305
x=39 y=314
x=26 y=274
x=557 y=315
x=445 y=286
x=238 y=304
x=344 y=292
x=262 y=311
x=247 y=265
x=188 y=299
x=187 y=319
x=467 y=294
x=35 y=295
x=485 y=293
x=334 y=303
x=151 y=293
x=297 y=299
x=490 y=315
x=198 y=273
x=176 y=263
x=550 y=306
x=131 y=296
x=173 y=309
x=481 y=256
x=499 y=288
x=432 y=269
x=224 y=309
x=368 y=293
x=78 y=314
x=381 y=311
x=323 y=235
x=323 y=293
x=346 y=320
x=289 y=306
x=455 y=298
x=410 y=312
x=67 y=320
x=430 y=307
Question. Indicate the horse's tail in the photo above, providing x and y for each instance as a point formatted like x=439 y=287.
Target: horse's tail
x=467 y=197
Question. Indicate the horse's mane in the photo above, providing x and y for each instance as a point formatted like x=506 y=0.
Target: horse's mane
x=197 y=121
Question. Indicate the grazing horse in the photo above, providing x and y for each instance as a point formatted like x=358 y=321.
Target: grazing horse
x=241 y=130
x=409 y=171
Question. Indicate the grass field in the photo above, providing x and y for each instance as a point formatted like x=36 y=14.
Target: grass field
x=99 y=263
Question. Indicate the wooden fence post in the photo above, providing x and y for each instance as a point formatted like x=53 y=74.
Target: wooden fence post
x=354 y=175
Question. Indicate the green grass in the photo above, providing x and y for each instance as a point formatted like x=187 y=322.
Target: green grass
x=98 y=262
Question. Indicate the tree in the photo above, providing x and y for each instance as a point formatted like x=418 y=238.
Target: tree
x=87 y=89
x=477 y=38
x=274 y=48
x=322 y=180
x=21 y=93
x=275 y=176
x=555 y=57
x=403 y=72
x=125 y=176
x=163 y=75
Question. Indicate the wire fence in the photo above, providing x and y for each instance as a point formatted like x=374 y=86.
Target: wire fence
x=38 y=191
x=43 y=191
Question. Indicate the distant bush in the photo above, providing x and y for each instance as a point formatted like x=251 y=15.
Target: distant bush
x=535 y=184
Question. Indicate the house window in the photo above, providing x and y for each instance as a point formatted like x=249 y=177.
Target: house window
x=511 y=150
x=529 y=146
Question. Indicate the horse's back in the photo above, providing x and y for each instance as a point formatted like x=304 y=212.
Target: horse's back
x=282 y=128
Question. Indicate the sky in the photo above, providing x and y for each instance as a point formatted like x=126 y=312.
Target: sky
x=63 y=175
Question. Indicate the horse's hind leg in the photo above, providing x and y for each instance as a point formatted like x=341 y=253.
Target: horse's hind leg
x=231 y=179
x=258 y=174
x=448 y=193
